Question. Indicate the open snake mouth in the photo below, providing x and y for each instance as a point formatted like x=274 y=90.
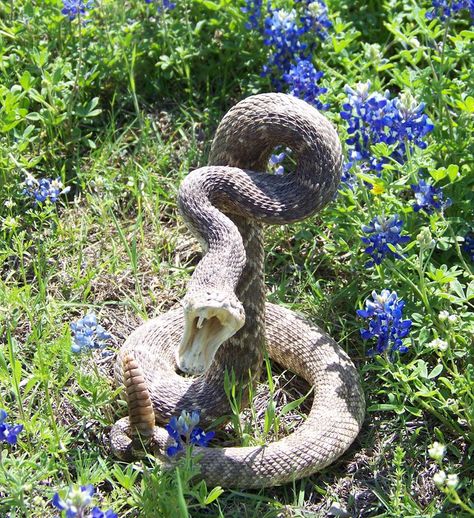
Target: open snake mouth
x=207 y=325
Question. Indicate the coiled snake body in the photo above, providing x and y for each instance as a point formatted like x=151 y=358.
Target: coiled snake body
x=225 y=323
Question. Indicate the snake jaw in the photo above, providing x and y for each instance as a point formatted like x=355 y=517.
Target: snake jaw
x=208 y=323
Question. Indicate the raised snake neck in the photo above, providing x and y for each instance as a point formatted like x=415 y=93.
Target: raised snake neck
x=225 y=205
x=249 y=197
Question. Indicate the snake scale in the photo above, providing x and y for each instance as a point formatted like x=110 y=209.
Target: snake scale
x=224 y=322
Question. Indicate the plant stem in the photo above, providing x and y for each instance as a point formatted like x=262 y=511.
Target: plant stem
x=181 y=500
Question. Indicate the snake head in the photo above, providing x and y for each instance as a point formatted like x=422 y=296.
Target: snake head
x=210 y=318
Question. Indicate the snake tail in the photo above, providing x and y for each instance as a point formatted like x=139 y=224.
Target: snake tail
x=140 y=407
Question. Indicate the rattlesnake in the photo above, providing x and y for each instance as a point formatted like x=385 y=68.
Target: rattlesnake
x=225 y=324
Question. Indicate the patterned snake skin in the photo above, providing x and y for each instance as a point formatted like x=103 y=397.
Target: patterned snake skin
x=225 y=323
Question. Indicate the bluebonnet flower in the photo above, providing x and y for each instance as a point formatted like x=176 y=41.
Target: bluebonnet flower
x=385 y=313
x=254 y=10
x=184 y=431
x=385 y=231
x=275 y=161
x=284 y=32
x=366 y=115
x=166 y=5
x=281 y=32
x=97 y=513
x=348 y=179
x=374 y=118
x=410 y=124
x=316 y=18
x=302 y=79
x=8 y=433
x=88 y=334
x=429 y=198
x=445 y=9
x=468 y=245
x=77 y=500
x=76 y=8
x=45 y=189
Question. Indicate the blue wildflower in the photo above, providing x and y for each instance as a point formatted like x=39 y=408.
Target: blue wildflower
x=429 y=198
x=468 y=245
x=97 y=513
x=275 y=161
x=385 y=312
x=76 y=502
x=281 y=32
x=45 y=189
x=385 y=231
x=302 y=80
x=445 y=9
x=316 y=18
x=367 y=116
x=254 y=10
x=284 y=31
x=347 y=178
x=374 y=118
x=200 y=437
x=88 y=334
x=76 y=8
x=8 y=433
x=166 y=5
x=410 y=124
x=184 y=431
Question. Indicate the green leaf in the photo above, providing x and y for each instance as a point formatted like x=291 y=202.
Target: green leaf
x=436 y=371
x=447 y=383
x=381 y=149
x=28 y=130
x=213 y=6
x=422 y=368
x=457 y=287
x=470 y=291
x=470 y=104
x=202 y=491
x=426 y=393
x=269 y=417
x=386 y=66
x=414 y=411
x=293 y=404
x=25 y=80
x=467 y=34
x=453 y=171
x=439 y=174
x=213 y=495
x=383 y=406
x=366 y=177
x=34 y=116
x=199 y=25
x=392 y=248
x=340 y=45
x=126 y=478
x=16 y=371
x=467 y=105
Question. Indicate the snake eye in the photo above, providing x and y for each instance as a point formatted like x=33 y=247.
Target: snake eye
x=207 y=325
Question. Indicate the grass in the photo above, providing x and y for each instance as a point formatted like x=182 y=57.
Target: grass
x=121 y=109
